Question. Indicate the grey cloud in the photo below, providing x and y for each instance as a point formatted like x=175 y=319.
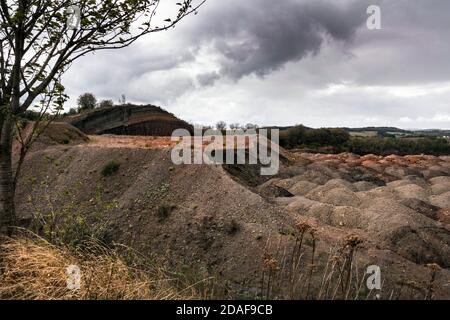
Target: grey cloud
x=249 y=37
x=412 y=47
x=258 y=37
x=207 y=79
x=139 y=71
x=296 y=49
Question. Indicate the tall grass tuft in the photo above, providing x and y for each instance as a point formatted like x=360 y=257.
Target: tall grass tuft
x=33 y=269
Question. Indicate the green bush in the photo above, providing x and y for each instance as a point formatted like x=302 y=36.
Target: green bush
x=339 y=140
x=110 y=168
x=301 y=136
x=400 y=146
x=164 y=212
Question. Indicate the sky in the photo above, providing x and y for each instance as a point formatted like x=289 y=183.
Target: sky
x=286 y=62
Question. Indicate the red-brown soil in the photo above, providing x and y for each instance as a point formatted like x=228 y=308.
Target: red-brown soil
x=220 y=223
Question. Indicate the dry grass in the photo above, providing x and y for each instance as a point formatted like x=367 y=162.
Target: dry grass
x=299 y=274
x=292 y=270
x=33 y=269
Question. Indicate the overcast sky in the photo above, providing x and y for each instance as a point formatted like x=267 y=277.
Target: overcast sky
x=287 y=62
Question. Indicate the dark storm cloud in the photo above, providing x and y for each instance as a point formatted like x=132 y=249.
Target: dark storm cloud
x=260 y=36
x=288 y=61
x=247 y=37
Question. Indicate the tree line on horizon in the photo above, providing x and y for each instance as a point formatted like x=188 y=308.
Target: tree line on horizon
x=336 y=140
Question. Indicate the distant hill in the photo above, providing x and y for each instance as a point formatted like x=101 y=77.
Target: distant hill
x=433 y=132
x=361 y=132
x=143 y=120
x=385 y=131
x=380 y=130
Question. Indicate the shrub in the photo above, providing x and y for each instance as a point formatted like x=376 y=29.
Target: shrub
x=105 y=104
x=400 y=146
x=301 y=136
x=72 y=111
x=75 y=230
x=110 y=168
x=164 y=212
x=231 y=227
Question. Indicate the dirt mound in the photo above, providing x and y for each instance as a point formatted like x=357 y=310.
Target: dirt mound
x=301 y=188
x=422 y=245
x=364 y=186
x=444 y=216
x=144 y=120
x=56 y=133
x=226 y=221
x=382 y=196
x=442 y=200
x=440 y=188
x=350 y=217
x=335 y=196
x=412 y=191
x=422 y=207
x=193 y=214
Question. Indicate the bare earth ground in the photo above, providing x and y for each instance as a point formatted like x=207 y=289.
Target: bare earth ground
x=227 y=223
x=130 y=142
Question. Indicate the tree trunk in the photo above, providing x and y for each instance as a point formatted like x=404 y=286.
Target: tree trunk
x=7 y=210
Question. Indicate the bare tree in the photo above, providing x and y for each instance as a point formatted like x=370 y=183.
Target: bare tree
x=251 y=126
x=122 y=99
x=221 y=125
x=39 y=40
x=235 y=126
